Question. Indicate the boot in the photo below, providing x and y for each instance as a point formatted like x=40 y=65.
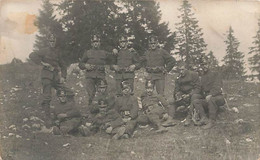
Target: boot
x=161 y=130
x=56 y=131
x=119 y=133
x=209 y=125
x=169 y=122
x=204 y=120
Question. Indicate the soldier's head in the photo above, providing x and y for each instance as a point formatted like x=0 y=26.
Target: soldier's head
x=95 y=41
x=153 y=42
x=149 y=87
x=181 y=68
x=62 y=96
x=52 y=40
x=203 y=68
x=126 y=88
x=123 y=42
x=102 y=86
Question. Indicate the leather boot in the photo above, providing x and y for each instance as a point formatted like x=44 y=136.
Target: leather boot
x=209 y=125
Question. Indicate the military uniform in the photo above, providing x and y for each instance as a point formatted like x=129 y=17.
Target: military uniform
x=158 y=63
x=51 y=75
x=187 y=89
x=104 y=114
x=127 y=107
x=211 y=85
x=153 y=109
x=72 y=120
x=124 y=59
x=97 y=59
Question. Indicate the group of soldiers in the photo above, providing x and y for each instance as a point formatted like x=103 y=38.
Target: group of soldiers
x=200 y=92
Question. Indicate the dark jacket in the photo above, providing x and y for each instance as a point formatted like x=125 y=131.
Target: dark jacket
x=53 y=57
x=211 y=83
x=127 y=106
x=189 y=83
x=124 y=59
x=67 y=108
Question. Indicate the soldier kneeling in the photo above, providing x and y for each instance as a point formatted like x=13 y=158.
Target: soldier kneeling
x=67 y=117
x=154 y=109
x=103 y=115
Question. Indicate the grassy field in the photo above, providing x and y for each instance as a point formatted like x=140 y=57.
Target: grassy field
x=235 y=137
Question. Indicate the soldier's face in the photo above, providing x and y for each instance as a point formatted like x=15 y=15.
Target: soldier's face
x=62 y=99
x=182 y=70
x=102 y=89
x=52 y=43
x=96 y=44
x=149 y=91
x=126 y=91
x=153 y=45
x=123 y=44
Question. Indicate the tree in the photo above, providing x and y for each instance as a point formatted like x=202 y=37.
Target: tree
x=254 y=60
x=143 y=18
x=83 y=18
x=191 y=45
x=212 y=61
x=233 y=61
x=47 y=24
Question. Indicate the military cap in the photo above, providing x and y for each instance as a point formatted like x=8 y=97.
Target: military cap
x=149 y=84
x=95 y=37
x=123 y=38
x=102 y=84
x=153 y=39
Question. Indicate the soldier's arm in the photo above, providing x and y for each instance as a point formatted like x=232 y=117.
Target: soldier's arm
x=217 y=85
x=163 y=100
x=63 y=67
x=169 y=61
x=36 y=58
x=83 y=61
x=136 y=61
x=134 y=109
x=196 y=84
x=143 y=60
x=110 y=58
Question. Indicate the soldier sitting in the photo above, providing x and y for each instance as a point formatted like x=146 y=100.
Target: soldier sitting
x=154 y=108
x=127 y=107
x=104 y=116
x=187 y=89
x=66 y=116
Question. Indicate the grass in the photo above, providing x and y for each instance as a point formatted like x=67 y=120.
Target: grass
x=228 y=140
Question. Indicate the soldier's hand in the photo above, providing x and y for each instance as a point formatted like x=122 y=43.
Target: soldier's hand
x=62 y=115
x=115 y=67
x=132 y=67
x=109 y=130
x=45 y=64
x=208 y=97
x=62 y=80
x=115 y=51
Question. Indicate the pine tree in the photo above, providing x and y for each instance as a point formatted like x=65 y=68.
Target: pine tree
x=233 y=61
x=191 y=45
x=212 y=61
x=83 y=18
x=255 y=51
x=142 y=18
x=47 y=24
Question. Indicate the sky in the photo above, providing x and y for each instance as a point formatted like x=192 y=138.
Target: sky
x=17 y=31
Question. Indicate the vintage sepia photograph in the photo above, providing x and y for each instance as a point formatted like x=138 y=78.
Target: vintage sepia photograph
x=129 y=79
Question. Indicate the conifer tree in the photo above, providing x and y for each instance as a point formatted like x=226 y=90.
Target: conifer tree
x=190 y=43
x=233 y=60
x=212 y=61
x=254 y=60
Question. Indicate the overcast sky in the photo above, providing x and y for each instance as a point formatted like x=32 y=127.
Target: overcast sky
x=215 y=17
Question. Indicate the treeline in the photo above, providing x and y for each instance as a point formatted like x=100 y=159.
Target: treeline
x=76 y=21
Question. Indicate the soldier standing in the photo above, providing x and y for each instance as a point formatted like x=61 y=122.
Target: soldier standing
x=93 y=62
x=187 y=89
x=211 y=88
x=53 y=74
x=127 y=62
x=127 y=107
x=158 y=63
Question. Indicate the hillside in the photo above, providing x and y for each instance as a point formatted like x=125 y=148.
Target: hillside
x=235 y=137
